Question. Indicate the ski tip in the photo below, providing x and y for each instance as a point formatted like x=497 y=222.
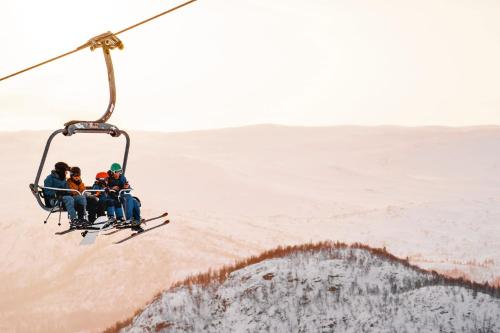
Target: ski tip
x=166 y=222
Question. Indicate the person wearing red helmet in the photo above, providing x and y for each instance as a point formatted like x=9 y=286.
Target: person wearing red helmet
x=98 y=201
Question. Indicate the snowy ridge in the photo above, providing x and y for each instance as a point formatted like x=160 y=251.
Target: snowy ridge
x=324 y=288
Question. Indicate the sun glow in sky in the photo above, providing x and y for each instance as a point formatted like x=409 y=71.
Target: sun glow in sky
x=221 y=63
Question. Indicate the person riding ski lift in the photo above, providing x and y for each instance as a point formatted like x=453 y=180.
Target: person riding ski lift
x=118 y=182
x=75 y=183
x=98 y=201
x=113 y=204
x=55 y=190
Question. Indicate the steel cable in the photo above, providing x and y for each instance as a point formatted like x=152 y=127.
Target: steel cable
x=87 y=45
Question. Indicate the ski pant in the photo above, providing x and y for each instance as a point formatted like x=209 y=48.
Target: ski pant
x=70 y=201
x=96 y=207
x=132 y=207
x=114 y=207
x=80 y=205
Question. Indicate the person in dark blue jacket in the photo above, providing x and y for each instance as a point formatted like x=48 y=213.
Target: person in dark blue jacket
x=118 y=182
x=55 y=186
x=113 y=205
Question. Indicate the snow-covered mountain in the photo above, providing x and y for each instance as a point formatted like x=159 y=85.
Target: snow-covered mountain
x=322 y=288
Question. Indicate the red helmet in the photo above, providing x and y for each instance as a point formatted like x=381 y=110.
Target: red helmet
x=101 y=176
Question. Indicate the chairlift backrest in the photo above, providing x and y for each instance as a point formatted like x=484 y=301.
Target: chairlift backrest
x=82 y=127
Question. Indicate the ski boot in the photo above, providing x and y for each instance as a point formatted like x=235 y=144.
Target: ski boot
x=119 y=221
x=136 y=225
x=84 y=223
x=73 y=223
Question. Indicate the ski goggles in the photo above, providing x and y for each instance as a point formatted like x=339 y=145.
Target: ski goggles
x=117 y=171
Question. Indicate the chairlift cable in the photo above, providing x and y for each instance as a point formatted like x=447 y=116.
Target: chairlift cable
x=38 y=65
x=88 y=44
x=154 y=17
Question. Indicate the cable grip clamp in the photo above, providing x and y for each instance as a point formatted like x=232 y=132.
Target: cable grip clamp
x=107 y=40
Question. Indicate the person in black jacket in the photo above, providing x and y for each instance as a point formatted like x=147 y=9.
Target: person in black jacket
x=97 y=202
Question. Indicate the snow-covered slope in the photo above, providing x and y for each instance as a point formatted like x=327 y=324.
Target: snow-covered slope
x=324 y=290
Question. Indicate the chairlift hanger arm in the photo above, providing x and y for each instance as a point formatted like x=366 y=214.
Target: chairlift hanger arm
x=107 y=41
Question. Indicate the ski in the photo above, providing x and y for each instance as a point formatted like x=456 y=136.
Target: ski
x=142 y=232
x=65 y=231
x=112 y=232
x=91 y=231
x=94 y=226
x=127 y=223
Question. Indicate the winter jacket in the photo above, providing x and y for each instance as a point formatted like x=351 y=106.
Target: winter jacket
x=53 y=180
x=120 y=182
x=98 y=186
x=80 y=187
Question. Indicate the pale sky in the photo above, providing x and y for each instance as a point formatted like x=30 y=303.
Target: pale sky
x=221 y=63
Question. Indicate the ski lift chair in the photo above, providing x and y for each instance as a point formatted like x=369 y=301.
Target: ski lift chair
x=80 y=127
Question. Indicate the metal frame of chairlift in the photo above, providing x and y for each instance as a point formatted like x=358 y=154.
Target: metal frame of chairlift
x=107 y=42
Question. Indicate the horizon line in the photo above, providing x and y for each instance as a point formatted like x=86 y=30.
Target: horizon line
x=277 y=125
